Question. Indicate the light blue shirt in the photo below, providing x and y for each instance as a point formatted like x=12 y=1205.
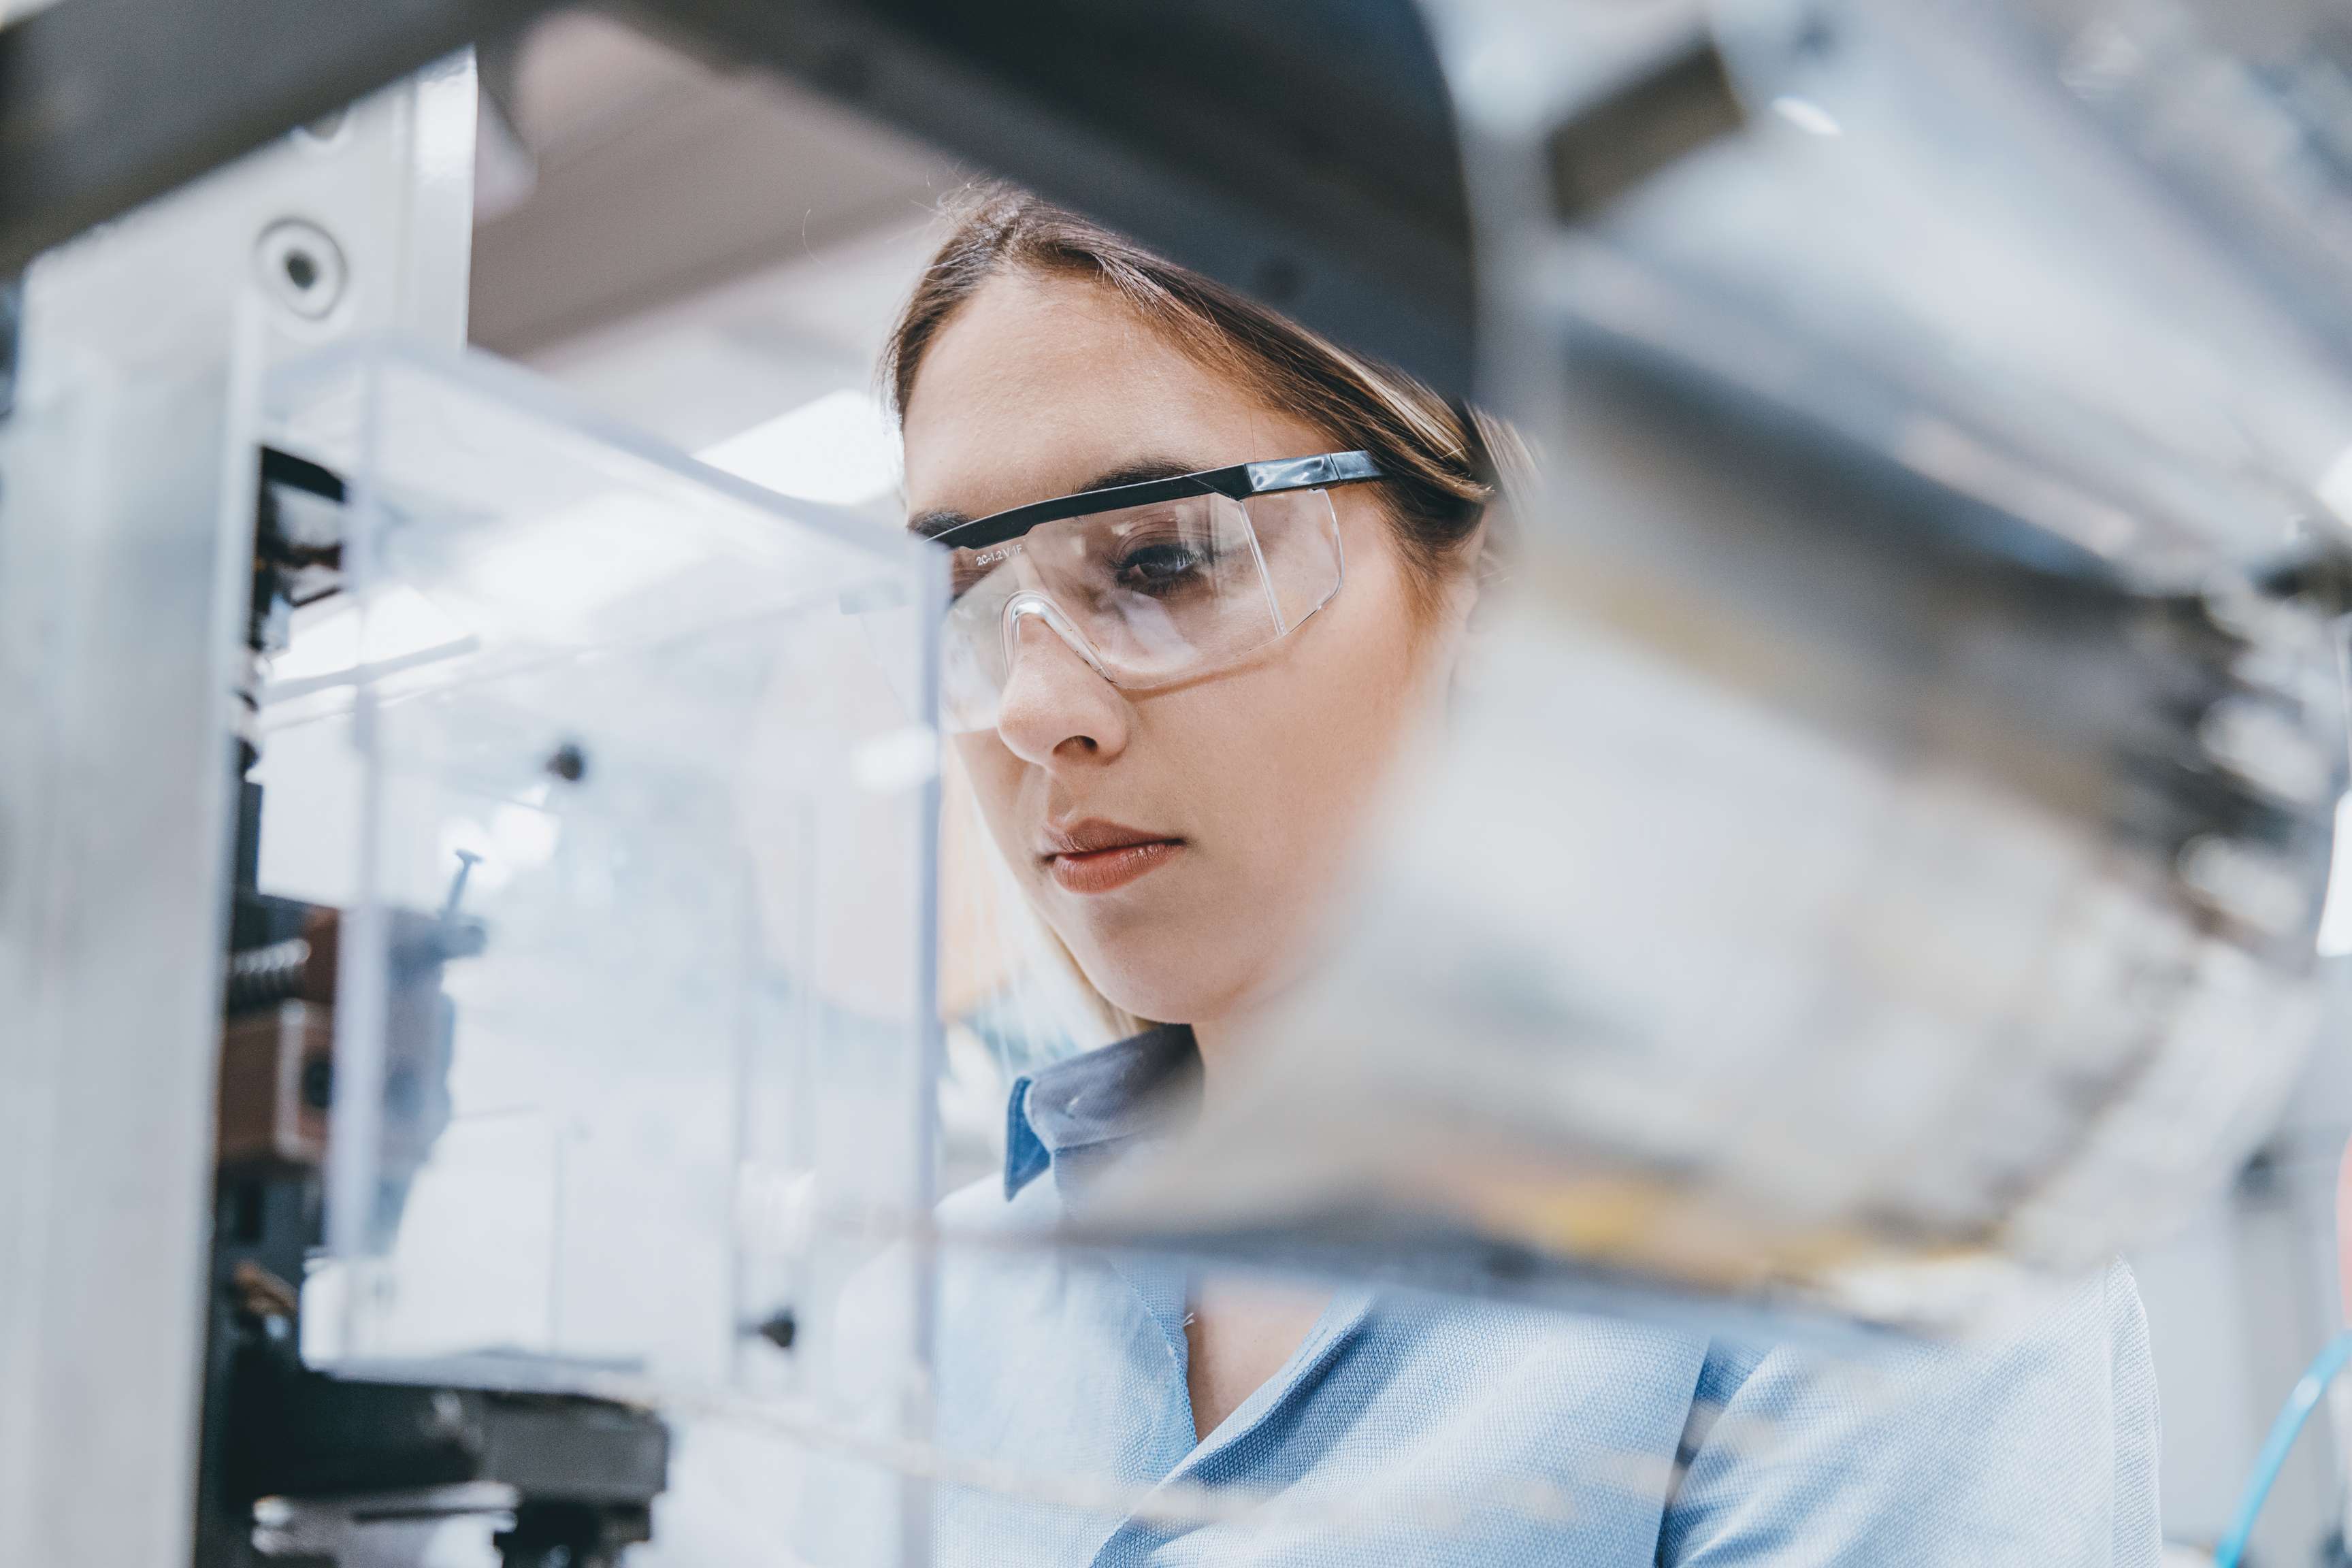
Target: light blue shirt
x=1421 y=1429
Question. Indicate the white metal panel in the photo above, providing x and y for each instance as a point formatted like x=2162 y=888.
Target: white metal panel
x=126 y=509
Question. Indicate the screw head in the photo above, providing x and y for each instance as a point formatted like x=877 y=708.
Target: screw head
x=300 y=266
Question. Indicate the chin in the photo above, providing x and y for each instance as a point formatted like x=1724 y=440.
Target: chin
x=1157 y=982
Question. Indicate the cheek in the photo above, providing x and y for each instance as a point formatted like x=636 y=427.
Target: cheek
x=996 y=775
x=1355 y=672
x=1306 y=740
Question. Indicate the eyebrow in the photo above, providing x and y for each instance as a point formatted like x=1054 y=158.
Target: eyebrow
x=1138 y=471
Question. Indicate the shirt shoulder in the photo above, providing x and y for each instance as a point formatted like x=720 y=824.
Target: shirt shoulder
x=2038 y=1444
x=981 y=1210
x=999 y=1267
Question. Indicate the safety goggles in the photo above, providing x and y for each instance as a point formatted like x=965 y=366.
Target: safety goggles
x=1150 y=584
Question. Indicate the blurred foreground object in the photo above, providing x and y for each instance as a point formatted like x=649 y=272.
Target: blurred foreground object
x=1878 y=853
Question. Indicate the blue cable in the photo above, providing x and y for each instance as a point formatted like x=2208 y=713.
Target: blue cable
x=2283 y=1431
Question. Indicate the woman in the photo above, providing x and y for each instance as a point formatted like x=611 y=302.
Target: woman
x=1209 y=568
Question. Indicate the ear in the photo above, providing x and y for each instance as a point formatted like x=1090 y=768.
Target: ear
x=1481 y=568
x=1457 y=619
x=1467 y=594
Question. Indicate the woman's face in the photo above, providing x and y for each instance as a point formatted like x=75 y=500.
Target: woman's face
x=1234 y=794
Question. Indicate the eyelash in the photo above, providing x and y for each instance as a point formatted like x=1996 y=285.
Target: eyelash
x=1140 y=570
x=1195 y=557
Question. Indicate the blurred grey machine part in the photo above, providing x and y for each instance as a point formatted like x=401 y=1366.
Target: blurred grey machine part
x=1889 y=821
x=2040 y=325
x=2238 y=111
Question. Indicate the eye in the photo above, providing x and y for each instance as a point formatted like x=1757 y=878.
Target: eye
x=1158 y=565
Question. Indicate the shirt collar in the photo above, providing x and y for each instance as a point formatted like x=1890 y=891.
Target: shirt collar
x=1076 y=1115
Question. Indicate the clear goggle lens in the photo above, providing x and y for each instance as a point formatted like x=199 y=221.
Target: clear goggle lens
x=1147 y=595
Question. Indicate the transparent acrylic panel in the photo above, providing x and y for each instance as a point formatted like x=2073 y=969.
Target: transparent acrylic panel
x=623 y=773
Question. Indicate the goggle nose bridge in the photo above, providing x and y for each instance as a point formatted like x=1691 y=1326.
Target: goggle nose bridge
x=1030 y=602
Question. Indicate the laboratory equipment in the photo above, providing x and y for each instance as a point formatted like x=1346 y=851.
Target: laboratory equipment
x=613 y=775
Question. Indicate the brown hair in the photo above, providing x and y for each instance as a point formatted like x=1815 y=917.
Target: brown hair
x=1439 y=456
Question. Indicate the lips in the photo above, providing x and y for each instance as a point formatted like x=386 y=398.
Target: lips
x=1095 y=857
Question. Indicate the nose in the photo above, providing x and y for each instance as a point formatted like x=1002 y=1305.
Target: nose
x=1055 y=708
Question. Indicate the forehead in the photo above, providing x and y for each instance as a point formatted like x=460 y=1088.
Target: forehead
x=1037 y=385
